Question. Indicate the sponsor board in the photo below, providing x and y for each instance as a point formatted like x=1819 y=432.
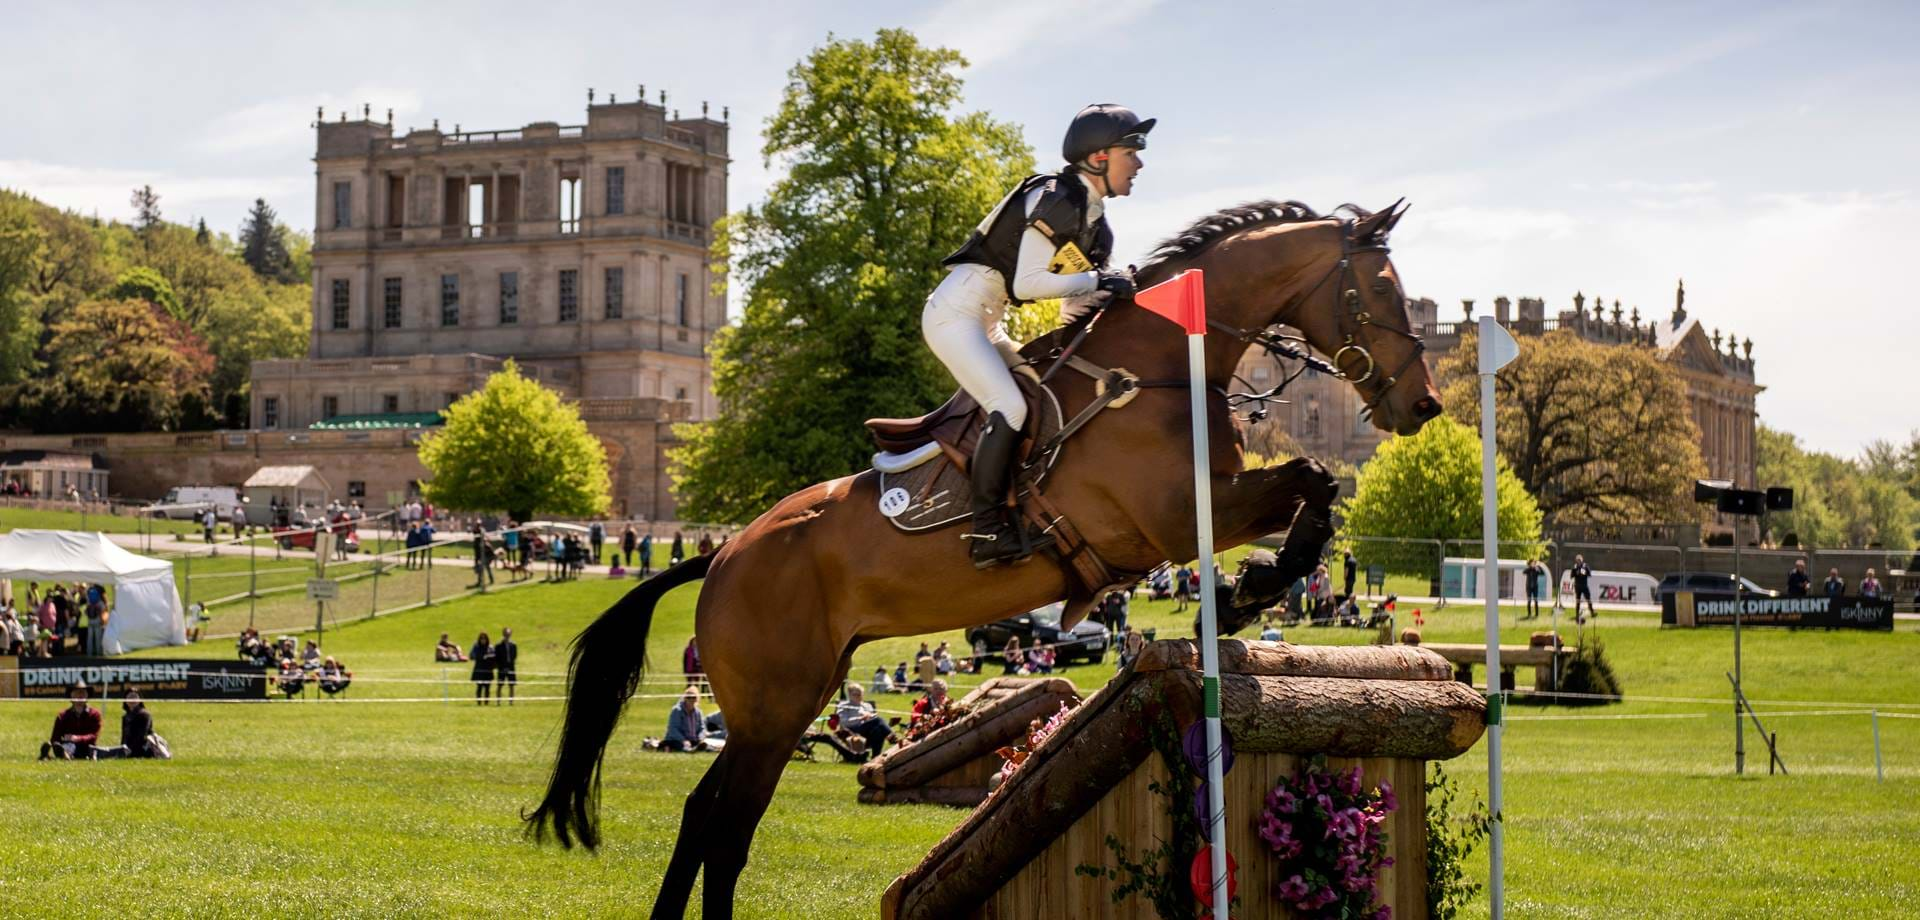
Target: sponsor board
x=50 y=678
x=1689 y=608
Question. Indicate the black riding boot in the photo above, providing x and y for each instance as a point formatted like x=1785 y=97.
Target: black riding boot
x=996 y=535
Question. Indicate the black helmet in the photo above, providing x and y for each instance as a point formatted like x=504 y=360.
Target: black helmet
x=1098 y=127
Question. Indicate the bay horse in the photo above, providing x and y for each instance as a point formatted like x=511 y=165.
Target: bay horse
x=822 y=570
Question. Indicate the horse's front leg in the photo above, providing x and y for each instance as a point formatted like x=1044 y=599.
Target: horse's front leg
x=1295 y=497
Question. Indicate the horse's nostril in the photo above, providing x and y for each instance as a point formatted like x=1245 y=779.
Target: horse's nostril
x=1426 y=408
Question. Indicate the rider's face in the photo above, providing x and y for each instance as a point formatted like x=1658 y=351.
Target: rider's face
x=1123 y=163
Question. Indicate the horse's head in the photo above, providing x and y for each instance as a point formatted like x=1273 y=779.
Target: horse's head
x=1331 y=279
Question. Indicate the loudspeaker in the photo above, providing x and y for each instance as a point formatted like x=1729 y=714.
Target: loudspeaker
x=1779 y=498
x=1706 y=490
x=1742 y=501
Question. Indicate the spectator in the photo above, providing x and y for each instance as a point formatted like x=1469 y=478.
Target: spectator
x=413 y=543
x=445 y=650
x=1798 y=581
x=1015 y=659
x=506 y=656
x=310 y=658
x=1835 y=585
x=706 y=544
x=597 y=538
x=1582 y=590
x=1536 y=573
x=859 y=717
x=1271 y=632
x=629 y=541
x=13 y=636
x=925 y=671
x=646 y=554
x=136 y=733
x=1870 y=585
x=933 y=703
x=942 y=659
x=334 y=677
x=690 y=662
x=1320 y=592
x=510 y=544
x=81 y=630
x=208 y=522
x=482 y=558
x=716 y=727
x=686 y=726
x=482 y=656
x=1180 y=579
x=882 y=683
x=1130 y=647
x=239 y=519
x=1040 y=660
x=901 y=683
x=524 y=541
x=75 y=729
x=1352 y=570
x=679 y=550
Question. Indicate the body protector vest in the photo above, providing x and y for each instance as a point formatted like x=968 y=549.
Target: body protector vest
x=1060 y=214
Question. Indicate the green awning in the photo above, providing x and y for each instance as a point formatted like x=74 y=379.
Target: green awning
x=382 y=420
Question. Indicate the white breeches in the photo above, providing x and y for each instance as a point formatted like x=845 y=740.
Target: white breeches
x=962 y=324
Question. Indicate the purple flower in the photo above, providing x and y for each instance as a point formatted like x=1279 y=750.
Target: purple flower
x=1350 y=782
x=1388 y=801
x=1293 y=890
x=1282 y=800
x=1325 y=802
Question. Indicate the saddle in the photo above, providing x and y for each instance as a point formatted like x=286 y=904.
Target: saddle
x=955 y=426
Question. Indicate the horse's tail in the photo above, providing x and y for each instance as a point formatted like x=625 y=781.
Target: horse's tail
x=608 y=658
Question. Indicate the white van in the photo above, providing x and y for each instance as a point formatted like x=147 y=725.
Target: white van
x=1615 y=589
x=1462 y=577
x=184 y=502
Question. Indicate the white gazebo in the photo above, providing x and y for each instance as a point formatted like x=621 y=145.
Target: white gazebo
x=146 y=606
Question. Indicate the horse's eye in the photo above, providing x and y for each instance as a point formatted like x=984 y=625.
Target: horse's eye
x=1380 y=286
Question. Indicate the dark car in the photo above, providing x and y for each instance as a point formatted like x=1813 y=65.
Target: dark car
x=1707 y=583
x=1087 y=641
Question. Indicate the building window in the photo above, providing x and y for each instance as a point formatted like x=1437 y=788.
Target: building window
x=451 y=399
x=680 y=393
x=342 y=298
x=270 y=412
x=449 y=300
x=680 y=300
x=329 y=407
x=569 y=204
x=391 y=303
x=569 y=295
x=356 y=488
x=390 y=403
x=342 y=205
x=616 y=190
x=614 y=290
x=509 y=298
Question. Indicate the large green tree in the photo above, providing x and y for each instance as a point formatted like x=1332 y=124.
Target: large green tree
x=21 y=243
x=515 y=446
x=1427 y=487
x=1598 y=434
x=263 y=244
x=119 y=365
x=883 y=179
x=1837 y=502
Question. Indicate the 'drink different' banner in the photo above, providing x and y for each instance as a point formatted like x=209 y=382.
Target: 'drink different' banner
x=1687 y=608
x=154 y=678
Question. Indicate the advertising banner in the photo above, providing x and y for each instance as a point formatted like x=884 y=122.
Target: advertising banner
x=155 y=678
x=1688 y=608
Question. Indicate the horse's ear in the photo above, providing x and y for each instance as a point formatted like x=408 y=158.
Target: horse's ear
x=1375 y=228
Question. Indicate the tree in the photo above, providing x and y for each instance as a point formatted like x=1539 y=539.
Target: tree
x=263 y=245
x=118 y=365
x=1598 y=434
x=1427 y=487
x=146 y=285
x=883 y=180
x=1836 y=502
x=515 y=446
x=146 y=210
x=20 y=246
x=247 y=324
x=201 y=236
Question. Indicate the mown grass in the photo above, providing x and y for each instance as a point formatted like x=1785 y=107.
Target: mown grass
x=37 y=519
x=409 y=809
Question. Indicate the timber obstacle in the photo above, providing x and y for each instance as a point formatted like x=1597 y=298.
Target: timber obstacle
x=1386 y=709
x=953 y=764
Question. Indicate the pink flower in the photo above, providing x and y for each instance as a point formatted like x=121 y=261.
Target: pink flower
x=1282 y=800
x=1325 y=802
x=1293 y=890
x=1388 y=801
x=1350 y=782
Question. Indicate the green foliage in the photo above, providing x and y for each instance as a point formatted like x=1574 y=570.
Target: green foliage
x=1838 y=502
x=1596 y=433
x=144 y=284
x=119 y=365
x=1428 y=487
x=1160 y=873
x=263 y=245
x=1589 y=673
x=21 y=242
x=1032 y=320
x=248 y=323
x=883 y=179
x=1452 y=836
x=514 y=446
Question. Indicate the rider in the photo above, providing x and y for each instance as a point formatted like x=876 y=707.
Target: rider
x=1047 y=238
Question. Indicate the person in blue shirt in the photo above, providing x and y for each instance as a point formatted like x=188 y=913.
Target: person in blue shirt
x=686 y=725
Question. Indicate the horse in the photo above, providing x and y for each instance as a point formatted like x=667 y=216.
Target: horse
x=823 y=571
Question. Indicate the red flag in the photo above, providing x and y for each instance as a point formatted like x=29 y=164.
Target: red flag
x=1182 y=299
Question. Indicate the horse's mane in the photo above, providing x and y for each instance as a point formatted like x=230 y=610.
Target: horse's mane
x=1188 y=244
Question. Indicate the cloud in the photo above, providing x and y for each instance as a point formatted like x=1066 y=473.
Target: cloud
x=105 y=190
x=287 y=122
x=986 y=32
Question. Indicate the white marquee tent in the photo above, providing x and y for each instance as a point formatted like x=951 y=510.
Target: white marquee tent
x=146 y=608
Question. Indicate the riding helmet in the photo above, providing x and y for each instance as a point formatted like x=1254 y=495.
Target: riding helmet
x=1104 y=125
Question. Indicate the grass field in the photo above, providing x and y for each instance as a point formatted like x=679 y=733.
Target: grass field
x=12 y=518
x=383 y=809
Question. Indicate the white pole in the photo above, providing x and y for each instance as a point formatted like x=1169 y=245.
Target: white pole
x=1490 y=542
x=1879 y=774
x=1209 y=630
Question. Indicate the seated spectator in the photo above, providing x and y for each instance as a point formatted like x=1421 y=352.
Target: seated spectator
x=136 y=733
x=901 y=683
x=310 y=659
x=1015 y=659
x=1271 y=632
x=716 y=727
x=75 y=730
x=859 y=717
x=1040 y=660
x=291 y=680
x=686 y=727
x=334 y=678
x=882 y=683
x=446 y=650
x=931 y=704
x=943 y=661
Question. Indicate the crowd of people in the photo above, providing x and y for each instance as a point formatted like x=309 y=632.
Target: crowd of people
x=495 y=674
x=293 y=667
x=77 y=729
x=62 y=620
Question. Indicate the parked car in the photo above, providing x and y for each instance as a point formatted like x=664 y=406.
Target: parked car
x=1708 y=582
x=344 y=531
x=184 y=502
x=1087 y=640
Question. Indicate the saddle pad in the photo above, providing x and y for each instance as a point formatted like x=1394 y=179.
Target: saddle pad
x=936 y=493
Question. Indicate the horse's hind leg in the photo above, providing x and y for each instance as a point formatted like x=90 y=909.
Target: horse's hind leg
x=677 y=887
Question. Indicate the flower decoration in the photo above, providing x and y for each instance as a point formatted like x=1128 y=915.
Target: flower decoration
x=1328 y=832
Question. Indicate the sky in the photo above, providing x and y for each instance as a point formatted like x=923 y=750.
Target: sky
x=1766 y=153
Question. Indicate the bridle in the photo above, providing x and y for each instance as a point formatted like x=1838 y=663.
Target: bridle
x=1353 y=323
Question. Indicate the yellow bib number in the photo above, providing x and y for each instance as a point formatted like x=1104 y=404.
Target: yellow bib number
x=1069 y=261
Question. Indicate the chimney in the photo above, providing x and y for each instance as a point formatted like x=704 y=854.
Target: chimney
x=1501 y=307
x=1533 y=310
